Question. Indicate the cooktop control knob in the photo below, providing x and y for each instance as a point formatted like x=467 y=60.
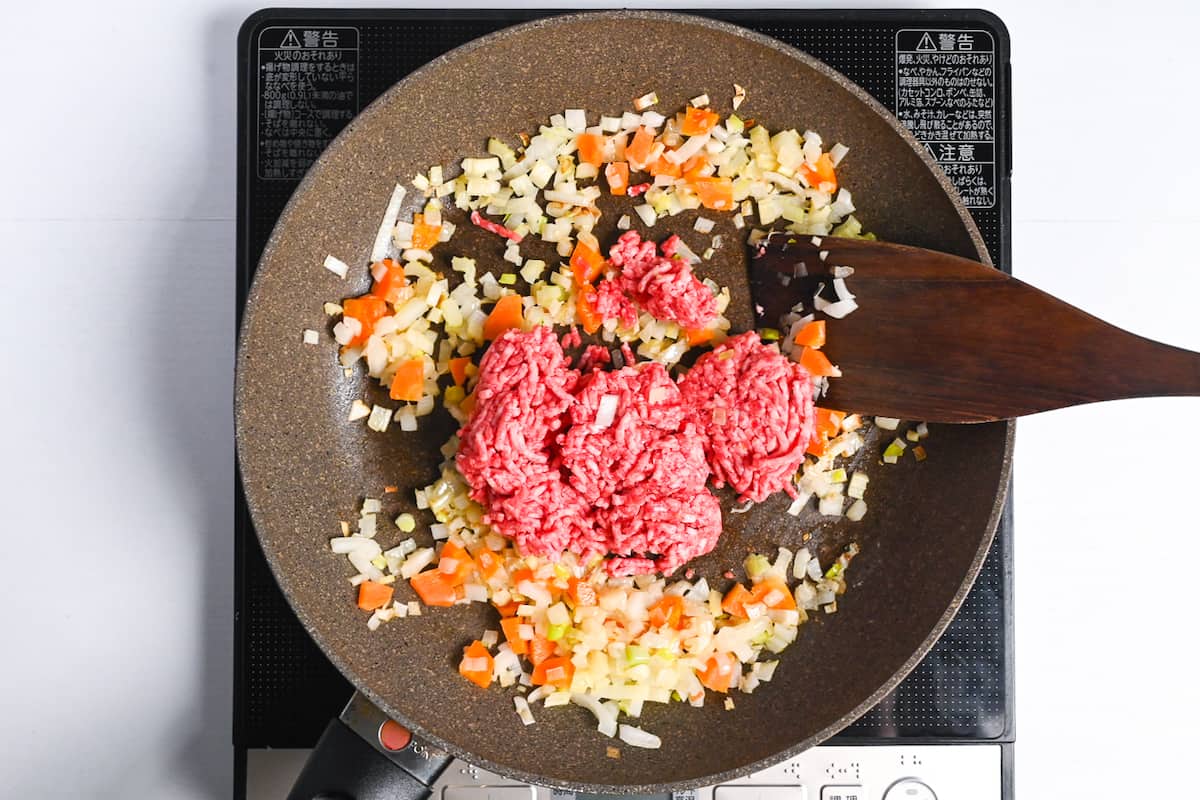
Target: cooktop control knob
x=909 y=789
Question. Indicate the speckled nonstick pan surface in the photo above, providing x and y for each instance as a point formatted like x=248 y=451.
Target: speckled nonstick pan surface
x=305 y=467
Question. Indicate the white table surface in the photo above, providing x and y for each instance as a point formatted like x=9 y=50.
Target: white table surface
x=117 y=224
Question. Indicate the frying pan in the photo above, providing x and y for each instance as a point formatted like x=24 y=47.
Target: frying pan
x=304 y=467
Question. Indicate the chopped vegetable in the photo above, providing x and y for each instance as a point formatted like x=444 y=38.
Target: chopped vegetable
x=698 y=121
x=811 y=335
x=372 y=595
x=409 y=381
x=434 y=588
x=477 y=664
x=506 y=315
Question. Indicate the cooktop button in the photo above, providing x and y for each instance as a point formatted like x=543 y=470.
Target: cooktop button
x=752 y=792
x=909 y=789
x=847 y=792
x=489 y=793
x=394 y=736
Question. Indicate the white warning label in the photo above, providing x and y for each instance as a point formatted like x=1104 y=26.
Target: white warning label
x=946 y=95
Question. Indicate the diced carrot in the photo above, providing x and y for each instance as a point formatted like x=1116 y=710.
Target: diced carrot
x=667 y=612
x=455 y=563
x=664 y=166
x=821 y=175
x=829 y=422
x=812 y=335
x=409 y=381
x=372 y=595
x=698 y=121
x=591 y=148
x=489 y=565
x=719 y=672
x=586 y=264
x=506 y=314
x=637 y=152
x=715 y=193
x=696 y=168
x=817 y=364
x=512 y=634
x=522 y=575
x=424 y=236
x=817 y=446
x=734 y=602
x=434 y=588
x=540 y=648
x=776 y=591
x=556 y=672
x=581 y=592
x=697 y=336
x=368 y=310
x=617 y=175
x=586 y=311
x=458 y=369
x=390 y=281
x=467 y=406
x=508 y=609
x=476 y=653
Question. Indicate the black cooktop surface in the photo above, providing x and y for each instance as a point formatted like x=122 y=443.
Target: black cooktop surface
x=303 y=74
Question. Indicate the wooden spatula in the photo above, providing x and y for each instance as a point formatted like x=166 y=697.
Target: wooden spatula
x=941 y=338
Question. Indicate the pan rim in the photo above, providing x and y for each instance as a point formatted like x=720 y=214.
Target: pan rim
x=286 y=583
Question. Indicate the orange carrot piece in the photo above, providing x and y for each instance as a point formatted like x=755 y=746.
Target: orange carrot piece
x=586 y=264
x=667 y=612
x=455 y=563
x=698 y=121
x=424 y=236
x=812 y=335
x=817 y=446
x=719 y=673
x=697 y=336
x=581 y=592
x=637 y=152
x=734 y=602
x=458 y=369
x=556 y=672
x=540 y=648
x=489 y=565
x=372 y=595
x=409 y=381
x=817 y=364
x=368 y=310
x=434 y=588
x=585 y=310
x=664 y=166
x=829 y=422
x=477 y=653
x=388 y=285
x=821 y=175
x=512 y=634
x=591 y=148
x=508 y=609
x=715 y=193
x=775 y=590
x=506 y=314
x=617 y=175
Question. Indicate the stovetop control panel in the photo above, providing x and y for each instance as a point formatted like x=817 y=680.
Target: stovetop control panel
x=832 y=772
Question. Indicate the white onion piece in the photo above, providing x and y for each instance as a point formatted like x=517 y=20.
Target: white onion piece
x=336 y=266
x=380 y=249
x=606 y=411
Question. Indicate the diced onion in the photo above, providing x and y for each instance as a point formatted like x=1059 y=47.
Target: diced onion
x=636 y=737
x=336 y=266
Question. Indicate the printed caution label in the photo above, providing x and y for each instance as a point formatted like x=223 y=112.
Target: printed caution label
x=307 y=92
x=946 y=95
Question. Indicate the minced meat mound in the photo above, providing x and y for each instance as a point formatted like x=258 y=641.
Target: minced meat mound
x=754 y=408
x=662 y=285
x=616 y=462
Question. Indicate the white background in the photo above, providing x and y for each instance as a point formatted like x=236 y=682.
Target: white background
x=117 y=225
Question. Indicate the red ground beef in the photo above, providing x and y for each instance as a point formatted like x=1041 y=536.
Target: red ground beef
x=553 y=480
x=662 y=285
x=553 y=477
x=755 y=409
